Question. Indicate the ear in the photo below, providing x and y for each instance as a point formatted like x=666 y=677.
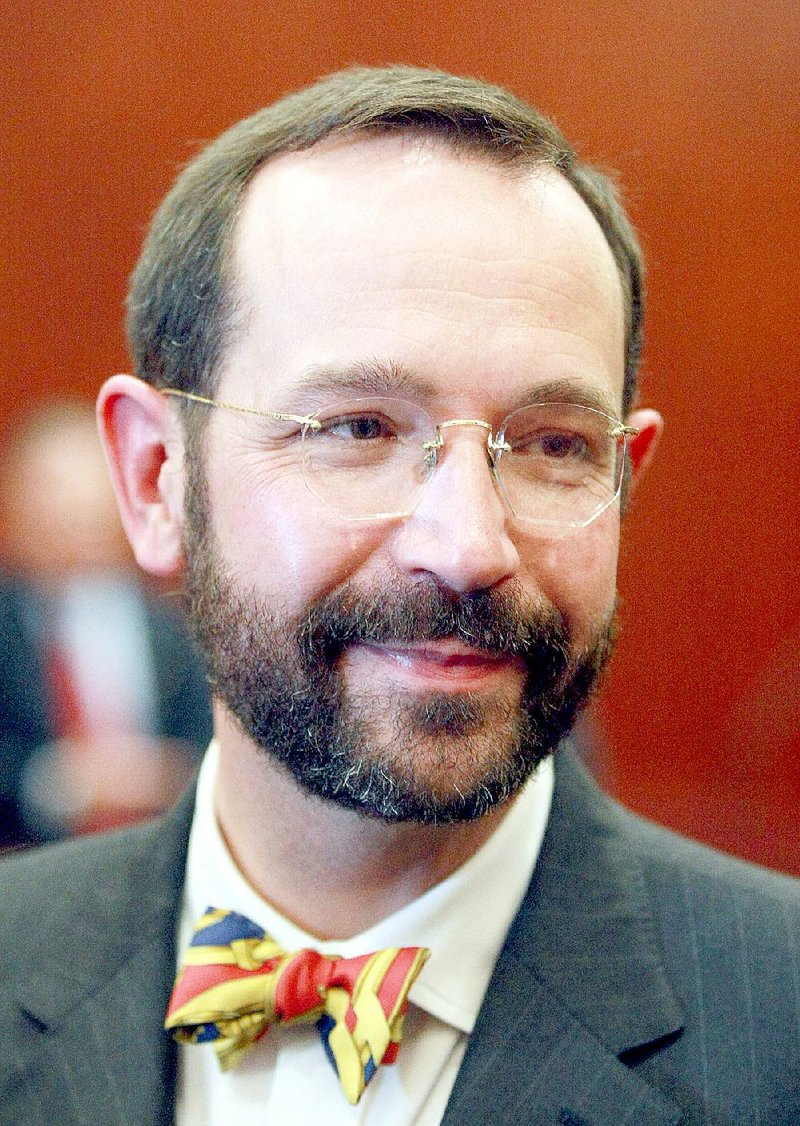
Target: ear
x=642 y=446
x=144 y=448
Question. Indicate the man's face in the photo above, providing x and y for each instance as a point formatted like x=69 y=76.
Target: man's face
x=417 y=667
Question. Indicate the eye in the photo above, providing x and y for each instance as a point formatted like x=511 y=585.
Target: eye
x=559 y=437
x=358 y=428
x=561 y=445
x=552 y=445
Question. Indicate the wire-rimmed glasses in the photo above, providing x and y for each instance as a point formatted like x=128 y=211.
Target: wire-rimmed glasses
x=556 y=464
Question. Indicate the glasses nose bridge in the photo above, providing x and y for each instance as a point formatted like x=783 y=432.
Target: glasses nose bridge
x=466 y=472
x=434 y=448
x=451 y=422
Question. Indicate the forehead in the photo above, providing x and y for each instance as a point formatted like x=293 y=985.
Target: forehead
x=398 y=249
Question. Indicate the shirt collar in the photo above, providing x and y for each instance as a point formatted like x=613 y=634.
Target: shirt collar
x=463 y=920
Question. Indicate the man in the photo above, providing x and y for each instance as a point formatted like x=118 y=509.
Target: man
x=386 y=335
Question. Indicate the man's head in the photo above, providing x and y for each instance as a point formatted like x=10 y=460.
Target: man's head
x=416 y=666
x=183 y=299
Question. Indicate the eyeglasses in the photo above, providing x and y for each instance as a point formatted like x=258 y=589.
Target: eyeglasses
x=555 y=464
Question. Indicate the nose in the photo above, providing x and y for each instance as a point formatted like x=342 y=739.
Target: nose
x=459 y=531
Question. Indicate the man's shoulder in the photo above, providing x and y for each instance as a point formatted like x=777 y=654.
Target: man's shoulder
x=663 y=854
x=725 y=927
x=666 y=856
x=51 y=888
x=73 y=864
x=87 y=929
x=606 y=871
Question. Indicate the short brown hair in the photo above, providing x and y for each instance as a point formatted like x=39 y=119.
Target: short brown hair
x=181 y=301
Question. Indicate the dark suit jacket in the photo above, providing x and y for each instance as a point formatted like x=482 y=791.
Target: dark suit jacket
x=646 y=981
x=182 y=705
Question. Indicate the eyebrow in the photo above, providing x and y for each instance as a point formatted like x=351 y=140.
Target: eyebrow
x=372 y=377
x=574 y=391
x=380 y=377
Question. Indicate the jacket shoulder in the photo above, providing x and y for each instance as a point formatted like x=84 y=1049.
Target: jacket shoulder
x=665 y=855
x=715 y=935
x=129 y=879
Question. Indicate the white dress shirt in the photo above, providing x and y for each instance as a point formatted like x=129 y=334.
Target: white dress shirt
x=285 y=1079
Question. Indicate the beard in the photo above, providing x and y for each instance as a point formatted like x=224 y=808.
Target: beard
x=431 y=757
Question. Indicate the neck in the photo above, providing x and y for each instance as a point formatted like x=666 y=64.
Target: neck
x=331 y=871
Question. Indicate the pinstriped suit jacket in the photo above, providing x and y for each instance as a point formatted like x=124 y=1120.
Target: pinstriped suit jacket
x=646 y=981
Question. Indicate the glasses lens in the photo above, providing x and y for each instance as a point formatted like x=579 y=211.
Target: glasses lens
x=365 y=458
x=562 y=466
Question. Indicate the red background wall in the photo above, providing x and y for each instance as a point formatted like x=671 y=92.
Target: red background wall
x=696 y=105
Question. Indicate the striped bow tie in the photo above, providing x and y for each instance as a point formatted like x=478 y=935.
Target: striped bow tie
x=235 y=981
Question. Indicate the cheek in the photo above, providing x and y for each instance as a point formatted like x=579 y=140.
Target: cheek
x=275 y=536
x=578 y=574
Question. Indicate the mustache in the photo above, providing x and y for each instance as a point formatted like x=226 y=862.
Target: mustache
x=487 y=620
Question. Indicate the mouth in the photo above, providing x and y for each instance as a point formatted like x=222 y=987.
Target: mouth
x=445 y=665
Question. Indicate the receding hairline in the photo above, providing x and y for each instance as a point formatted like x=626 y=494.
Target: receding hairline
x=524 y=167
x=515 y=164
x=180 y=306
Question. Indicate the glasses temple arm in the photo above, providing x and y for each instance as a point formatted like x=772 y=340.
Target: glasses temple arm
x=301 y=419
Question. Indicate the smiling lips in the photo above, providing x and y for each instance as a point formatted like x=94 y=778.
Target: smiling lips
x=450 y=663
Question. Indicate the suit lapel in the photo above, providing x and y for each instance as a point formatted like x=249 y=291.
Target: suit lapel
x=579 y=984
x=88 y=1035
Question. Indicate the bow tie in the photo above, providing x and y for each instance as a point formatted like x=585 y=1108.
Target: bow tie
x=235 y=981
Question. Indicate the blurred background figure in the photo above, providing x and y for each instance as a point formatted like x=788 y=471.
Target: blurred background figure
x=103 y=703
